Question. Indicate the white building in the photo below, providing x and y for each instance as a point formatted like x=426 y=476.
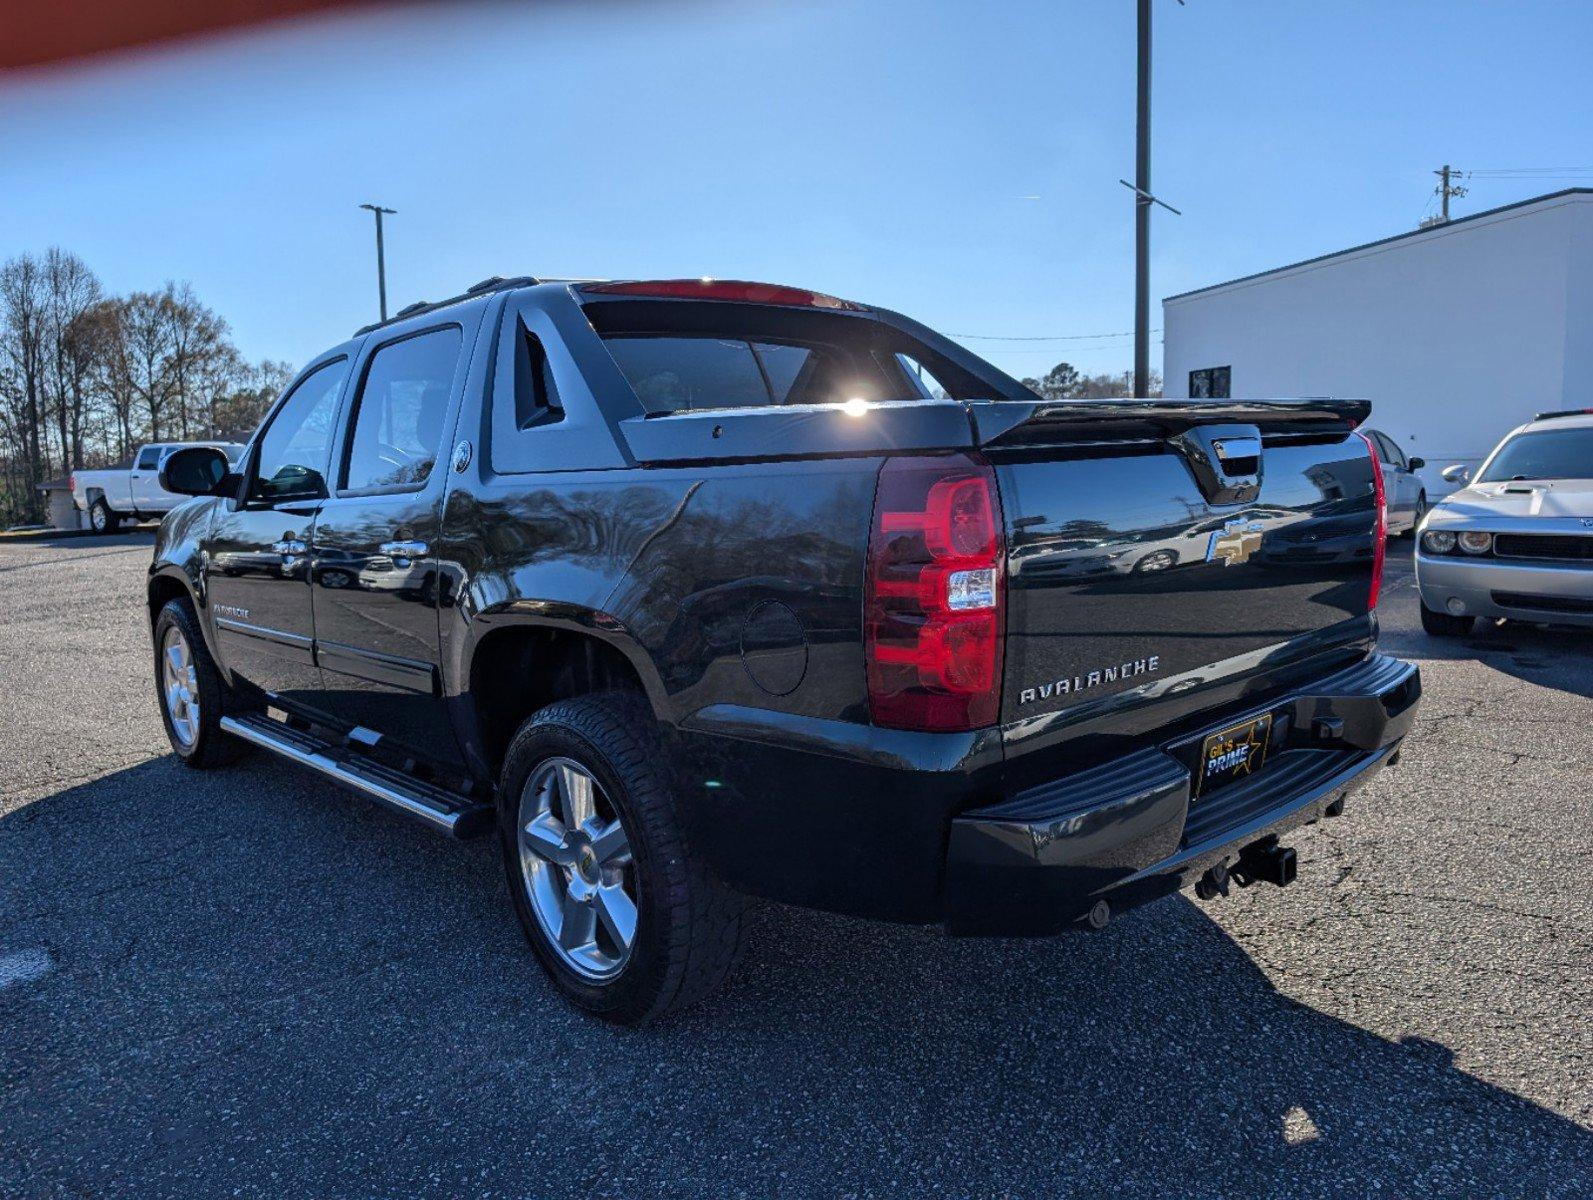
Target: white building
x=1456 y=333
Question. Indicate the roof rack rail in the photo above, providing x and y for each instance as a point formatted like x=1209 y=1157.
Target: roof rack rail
x=1564 y=412
x=496 y=283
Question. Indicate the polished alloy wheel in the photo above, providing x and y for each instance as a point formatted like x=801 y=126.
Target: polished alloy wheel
x=180 y=683
x=99 y=519
x=576 y=866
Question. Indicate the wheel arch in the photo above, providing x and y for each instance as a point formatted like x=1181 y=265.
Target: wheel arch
x=165 y=586
x=168 y=582
x=517 y=667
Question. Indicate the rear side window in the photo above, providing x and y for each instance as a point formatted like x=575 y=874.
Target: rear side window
x=1390 y=452
x=296 y=445
x=536 y=396
x=700 y=355
x=930 y=387
x=672 y=373
x=398 y=424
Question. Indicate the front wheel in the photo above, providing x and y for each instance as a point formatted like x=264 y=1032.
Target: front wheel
x=624 y=916
x=1441 y=624
x=191 y=691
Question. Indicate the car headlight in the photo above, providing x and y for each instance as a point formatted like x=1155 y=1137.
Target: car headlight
x=1473 y=542
x=1439 y=541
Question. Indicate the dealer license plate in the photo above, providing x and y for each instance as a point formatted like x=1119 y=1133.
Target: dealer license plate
x=1233 y=753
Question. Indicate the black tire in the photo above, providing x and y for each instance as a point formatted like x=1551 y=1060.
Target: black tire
x=210 y=747
x=1416 y=521
x=1444 y=624
x=102 y=518
x=689 y=924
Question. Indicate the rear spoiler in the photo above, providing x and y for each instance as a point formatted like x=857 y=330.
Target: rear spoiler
x=1007 y=423
x=909 y=426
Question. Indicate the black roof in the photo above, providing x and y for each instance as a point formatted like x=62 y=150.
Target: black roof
x=1398 y=237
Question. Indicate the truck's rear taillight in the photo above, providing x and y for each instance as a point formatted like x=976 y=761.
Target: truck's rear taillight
x=1380 y=546
x=934 y=612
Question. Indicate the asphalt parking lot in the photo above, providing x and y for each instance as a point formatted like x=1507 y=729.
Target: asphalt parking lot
x=249 y=983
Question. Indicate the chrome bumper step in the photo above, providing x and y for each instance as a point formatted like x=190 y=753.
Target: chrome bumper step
x=437 y=808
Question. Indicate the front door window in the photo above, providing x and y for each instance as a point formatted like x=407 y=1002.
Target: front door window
x=294 y=450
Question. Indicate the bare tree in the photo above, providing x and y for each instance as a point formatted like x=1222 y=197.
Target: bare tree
x=214 y=379
x=113 y=377
x=84 y=378
x=22 y=320
x=147 y=331
x=237 y=413
x=71 y=291
x=199 y=351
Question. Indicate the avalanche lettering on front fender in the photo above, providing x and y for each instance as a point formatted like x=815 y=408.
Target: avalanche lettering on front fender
x=1072 y=684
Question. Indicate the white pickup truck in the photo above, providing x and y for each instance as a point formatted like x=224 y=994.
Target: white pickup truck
x=119 y=494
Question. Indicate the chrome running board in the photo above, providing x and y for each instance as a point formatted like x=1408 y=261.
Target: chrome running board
x=437 y=808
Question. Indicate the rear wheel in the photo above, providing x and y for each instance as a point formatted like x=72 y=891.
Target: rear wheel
x=190 y=689
x=102 y=519
x=1441 y=624
x=625 y=918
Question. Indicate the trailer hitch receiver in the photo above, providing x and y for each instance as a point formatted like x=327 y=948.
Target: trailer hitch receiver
x=1265 y=862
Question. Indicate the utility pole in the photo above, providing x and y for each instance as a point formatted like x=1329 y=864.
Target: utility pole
x=1142 y=203
x=381 y=257
x=1143 y=199
x=1447 y=189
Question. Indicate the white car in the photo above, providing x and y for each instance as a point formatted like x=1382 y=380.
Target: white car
x=117 y=494
x=1516 y=541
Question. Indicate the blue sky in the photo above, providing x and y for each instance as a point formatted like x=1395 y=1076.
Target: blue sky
x=956 y=161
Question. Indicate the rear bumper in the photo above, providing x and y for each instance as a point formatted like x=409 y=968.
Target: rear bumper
x=1126 y=832
x=1521 y=591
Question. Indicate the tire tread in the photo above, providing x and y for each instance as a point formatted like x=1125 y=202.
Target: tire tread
x=699 y=919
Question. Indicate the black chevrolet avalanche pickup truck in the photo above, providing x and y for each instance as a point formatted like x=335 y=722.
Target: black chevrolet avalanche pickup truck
x=691 y=591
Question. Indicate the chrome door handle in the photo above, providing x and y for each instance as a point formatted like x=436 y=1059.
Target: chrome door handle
x=402 y=552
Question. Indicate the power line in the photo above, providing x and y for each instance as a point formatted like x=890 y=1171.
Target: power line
x=1060 y=337
x=1527 y=172
x=1058 y=350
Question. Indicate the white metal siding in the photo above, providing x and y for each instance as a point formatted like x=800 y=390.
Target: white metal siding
x=1456 y=334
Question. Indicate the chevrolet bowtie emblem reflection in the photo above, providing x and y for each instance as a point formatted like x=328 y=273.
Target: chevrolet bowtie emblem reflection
x=1235 y=542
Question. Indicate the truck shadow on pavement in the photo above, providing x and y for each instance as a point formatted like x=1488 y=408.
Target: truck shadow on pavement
x=259 y=983
x=1551 y=656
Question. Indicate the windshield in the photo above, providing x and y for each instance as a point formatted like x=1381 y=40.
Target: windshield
x=1545 y=454
x=688 y=355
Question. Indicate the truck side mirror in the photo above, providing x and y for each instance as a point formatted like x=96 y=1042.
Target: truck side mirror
x=1458 y=473
x=1416 y=464
x=195 y=471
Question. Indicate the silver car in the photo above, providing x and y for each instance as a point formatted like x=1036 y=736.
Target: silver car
x=1516 y=541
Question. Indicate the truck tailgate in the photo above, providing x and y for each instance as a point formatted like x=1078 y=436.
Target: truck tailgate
x=1133 y=565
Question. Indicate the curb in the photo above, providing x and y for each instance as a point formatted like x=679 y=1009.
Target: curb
x=50 y=535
